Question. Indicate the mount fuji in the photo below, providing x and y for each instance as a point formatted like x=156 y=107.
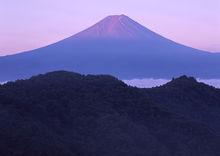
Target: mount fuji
x=116 y=45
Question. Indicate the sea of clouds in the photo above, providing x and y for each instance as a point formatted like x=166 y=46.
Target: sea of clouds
x=149 y=83
x=1 y=83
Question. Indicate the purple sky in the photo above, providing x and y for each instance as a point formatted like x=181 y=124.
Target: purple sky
x=29 y=24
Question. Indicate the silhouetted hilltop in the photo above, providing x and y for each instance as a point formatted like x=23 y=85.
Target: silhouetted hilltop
x=183 y=80
x=65 y=113
x=191 y=99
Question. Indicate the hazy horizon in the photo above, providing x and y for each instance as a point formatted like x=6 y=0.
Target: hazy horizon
x=152 y=82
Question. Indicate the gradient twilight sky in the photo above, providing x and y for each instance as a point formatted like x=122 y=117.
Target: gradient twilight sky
x=30 y=24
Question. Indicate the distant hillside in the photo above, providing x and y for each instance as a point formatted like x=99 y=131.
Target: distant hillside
x=68 y=114
x=191 y=99
x=116 y=45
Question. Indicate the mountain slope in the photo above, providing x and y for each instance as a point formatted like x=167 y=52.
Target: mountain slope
x=191 y=99
x=64 y=113
x=119 y=46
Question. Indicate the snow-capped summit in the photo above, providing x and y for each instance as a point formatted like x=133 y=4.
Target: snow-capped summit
x=118 y=27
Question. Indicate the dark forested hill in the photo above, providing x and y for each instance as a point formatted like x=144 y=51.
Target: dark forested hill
x=68 y=114
x=191 y=99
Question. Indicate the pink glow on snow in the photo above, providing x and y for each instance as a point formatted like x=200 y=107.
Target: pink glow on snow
x=117 y=27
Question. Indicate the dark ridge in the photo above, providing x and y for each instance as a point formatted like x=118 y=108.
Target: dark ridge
x=189 y=98
x=69 y=114
x=183 y=80
x=66 y=77
x=187 y=83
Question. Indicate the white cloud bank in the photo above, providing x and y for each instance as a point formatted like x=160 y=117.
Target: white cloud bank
x=1 y=83
x=149 y=83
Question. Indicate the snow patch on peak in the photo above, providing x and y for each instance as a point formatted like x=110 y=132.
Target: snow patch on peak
x=116 y=17
x=117 y=27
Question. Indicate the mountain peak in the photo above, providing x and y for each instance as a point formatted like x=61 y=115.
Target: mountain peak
x=116 y=27
x=116 y=17
x=184 y=80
